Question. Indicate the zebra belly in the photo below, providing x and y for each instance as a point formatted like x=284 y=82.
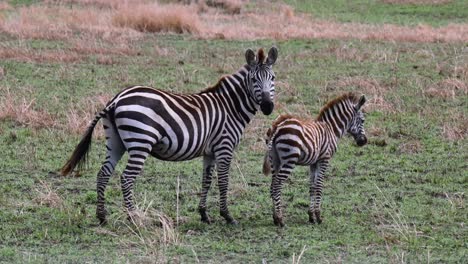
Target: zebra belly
x=163 y=151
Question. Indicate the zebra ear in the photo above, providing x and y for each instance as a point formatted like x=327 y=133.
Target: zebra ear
x=250 y=57
x=362 y=100
x=272 y=56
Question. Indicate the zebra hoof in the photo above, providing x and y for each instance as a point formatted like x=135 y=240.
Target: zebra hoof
x=229 y=219
x=102 y=222
x=233 y=222
x=206 y=220
x=101 y=216
x=204 y=216
x=311 y=217
x=278 y=221
x=318 y=218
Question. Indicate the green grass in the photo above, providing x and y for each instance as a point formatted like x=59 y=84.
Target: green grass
x=379 y=12
x=381 y=203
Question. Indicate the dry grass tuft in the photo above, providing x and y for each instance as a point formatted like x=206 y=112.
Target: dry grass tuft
x=411 y=147
x=47 y=196
x=157 y=18
x=448 y=89
x=152 y=230
x=392 y=225
x=456 y=128
x=22 y=111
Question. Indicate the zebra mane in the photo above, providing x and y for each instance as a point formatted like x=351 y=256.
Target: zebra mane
x=218 y=83
x=261 y=56
x=338 y=100
x=214 y=87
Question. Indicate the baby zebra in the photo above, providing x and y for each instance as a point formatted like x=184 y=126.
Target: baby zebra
x=292 y=141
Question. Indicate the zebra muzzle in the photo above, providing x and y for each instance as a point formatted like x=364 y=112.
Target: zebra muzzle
x=266 y=105
x=361 y=141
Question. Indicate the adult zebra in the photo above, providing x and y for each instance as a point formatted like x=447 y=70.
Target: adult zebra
x=175 y=127
x=293 y=141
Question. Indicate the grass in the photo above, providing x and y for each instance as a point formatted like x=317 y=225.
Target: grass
x=401 y=198
x=409 y=13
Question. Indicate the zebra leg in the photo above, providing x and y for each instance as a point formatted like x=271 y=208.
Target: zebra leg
x=133 y=169
x=223 y=166
x=275 y=192
x=115 y=150
x=312 y=175
x=277 y=182
x=208 y=165
x=318 y=186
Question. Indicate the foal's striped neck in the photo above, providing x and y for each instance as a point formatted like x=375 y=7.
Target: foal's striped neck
x=338 y=113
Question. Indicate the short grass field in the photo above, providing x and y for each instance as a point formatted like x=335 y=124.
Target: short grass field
x=399 y=199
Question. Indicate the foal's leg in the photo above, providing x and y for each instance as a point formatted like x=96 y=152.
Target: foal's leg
x=312 y=174
x=322 y=166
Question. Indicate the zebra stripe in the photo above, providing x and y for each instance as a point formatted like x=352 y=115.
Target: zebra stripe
x=293 y=141
x=145 y=121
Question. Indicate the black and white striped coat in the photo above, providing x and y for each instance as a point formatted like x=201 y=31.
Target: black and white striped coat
x=145 y=121
x=293 y=141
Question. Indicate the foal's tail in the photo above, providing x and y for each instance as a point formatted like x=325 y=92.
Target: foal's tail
x=266 y=163
x=269 y=153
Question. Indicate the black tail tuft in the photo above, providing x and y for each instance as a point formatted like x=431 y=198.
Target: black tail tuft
x=80 y=154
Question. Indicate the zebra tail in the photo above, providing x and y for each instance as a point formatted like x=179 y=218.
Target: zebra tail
x=266 y=163
x=80 y=154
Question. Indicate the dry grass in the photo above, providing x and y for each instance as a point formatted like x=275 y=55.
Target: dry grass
x=411 y=147
x=22 y=111
x=82 y=113
x=417 y=2
x=4 y=6
x=259 y=24
x=375 y=92
x=152 y=230
x=62 y=23
x=46 y=196
x=297 y=260
x=456 y=128
x=28 y=55
x=158 y=18
x=448 y=89
x=121 y=22
x=392 y=225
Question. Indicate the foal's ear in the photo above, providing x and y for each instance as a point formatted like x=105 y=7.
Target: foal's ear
x=362 y=100
x=250 y=57
x=272 y=56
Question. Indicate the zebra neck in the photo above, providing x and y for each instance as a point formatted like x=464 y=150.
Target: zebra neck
x=336 y=119
x=232 y=91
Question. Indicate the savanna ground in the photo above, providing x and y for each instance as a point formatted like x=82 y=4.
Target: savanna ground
x=399 y=199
